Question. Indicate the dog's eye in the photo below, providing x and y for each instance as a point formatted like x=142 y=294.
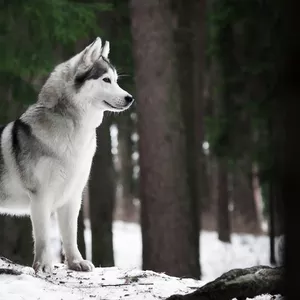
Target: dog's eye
x=106 y=79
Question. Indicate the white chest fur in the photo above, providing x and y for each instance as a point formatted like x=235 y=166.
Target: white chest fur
x=66 y=177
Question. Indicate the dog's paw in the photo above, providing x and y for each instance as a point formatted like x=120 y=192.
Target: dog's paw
x=81 y=265
x=42 y=267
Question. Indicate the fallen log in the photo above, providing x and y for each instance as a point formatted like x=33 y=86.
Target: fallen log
x=7 y=271
x=7 y=267
x=240 y=284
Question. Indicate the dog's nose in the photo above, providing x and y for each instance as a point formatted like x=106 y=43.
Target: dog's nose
x=128 y=99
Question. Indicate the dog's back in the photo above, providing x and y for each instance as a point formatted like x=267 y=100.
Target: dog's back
x=14 y=158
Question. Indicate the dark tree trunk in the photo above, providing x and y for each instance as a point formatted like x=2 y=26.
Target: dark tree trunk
x=245 y=216
x=206 y=209
x=277 y=208
x=101 y=198
x=287 y=146
x=209 y=207
x=272 y=222
x=199 y=29
x=223 y=110
x=125 y=150
x=190 y=56
x=168 y=235
x=80 y=234
x=209 y=214
x=16 y=239
x=275 y=203
x=224 y=226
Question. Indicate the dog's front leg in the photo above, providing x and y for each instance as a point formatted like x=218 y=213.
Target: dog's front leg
x=40 y=215
x=67 y=220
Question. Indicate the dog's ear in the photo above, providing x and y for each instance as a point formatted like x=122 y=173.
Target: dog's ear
x=105 y=50
x=92 y=52
x=87 y=56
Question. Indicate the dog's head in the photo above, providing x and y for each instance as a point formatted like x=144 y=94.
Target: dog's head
x=95 y=79
x=85 y=86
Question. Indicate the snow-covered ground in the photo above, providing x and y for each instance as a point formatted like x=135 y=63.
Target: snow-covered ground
x=126 y=280
x=103 y=283
x=216 y=257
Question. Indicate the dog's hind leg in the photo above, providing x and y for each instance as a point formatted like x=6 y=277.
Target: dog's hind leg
x=41 y=223
x=67 y=220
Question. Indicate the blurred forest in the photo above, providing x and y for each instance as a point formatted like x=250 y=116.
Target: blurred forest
x=196 y=150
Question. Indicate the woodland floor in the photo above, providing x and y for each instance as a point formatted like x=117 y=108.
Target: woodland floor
x=103 y=283
x=126 y=280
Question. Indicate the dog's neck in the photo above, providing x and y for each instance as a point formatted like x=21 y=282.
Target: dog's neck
x=61 y=134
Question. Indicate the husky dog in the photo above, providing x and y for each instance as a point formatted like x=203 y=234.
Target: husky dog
x=46 y=154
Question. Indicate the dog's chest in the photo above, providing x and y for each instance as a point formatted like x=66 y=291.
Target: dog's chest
x=74 y=172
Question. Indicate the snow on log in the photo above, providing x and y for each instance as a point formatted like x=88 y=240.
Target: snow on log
x=240 y=284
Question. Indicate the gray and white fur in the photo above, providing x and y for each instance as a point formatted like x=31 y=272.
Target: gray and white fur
x=46 y=154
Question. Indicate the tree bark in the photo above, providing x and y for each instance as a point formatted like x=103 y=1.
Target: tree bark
x=276 y=208
x=199 y=31
x=271 y=221
x=245 y=218
x=240 y=284
x=210 y=213
x=209 y=208
x=16 y=239
x=190 y=57
x=101 y=198
x=224 y=226
x=169 y=243
x=287 y=144
x=125 y=150
x=80 y=234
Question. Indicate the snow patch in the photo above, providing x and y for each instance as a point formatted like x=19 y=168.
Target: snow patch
x=216 y=257
x=104 y=283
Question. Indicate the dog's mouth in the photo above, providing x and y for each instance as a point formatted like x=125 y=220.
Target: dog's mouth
x=114 y=107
